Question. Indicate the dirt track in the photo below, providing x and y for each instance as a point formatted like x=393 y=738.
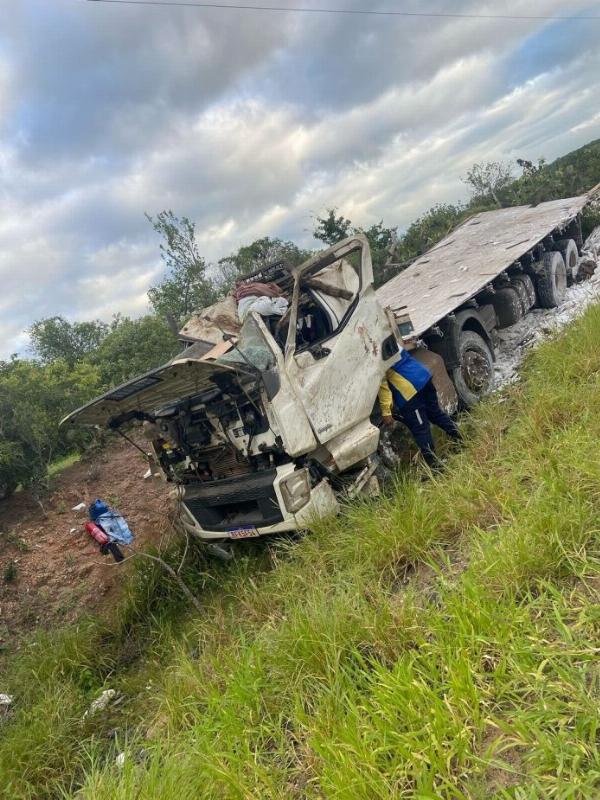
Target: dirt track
x=59 y=573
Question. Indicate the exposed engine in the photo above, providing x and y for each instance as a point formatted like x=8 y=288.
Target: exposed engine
x=216 y=435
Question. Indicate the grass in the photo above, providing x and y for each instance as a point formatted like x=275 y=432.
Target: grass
x=62 y=463
x=441 y=642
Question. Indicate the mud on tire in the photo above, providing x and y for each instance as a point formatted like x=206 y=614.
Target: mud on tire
x=508 y=307
x=474 y=377
x=524 y=287
x=568 y=249
x=552 y=280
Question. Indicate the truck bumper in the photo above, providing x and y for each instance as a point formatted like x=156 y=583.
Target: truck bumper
x=252 y=503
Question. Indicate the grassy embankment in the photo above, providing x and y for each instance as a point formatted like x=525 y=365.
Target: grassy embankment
x=56 y=467
x=441 y=643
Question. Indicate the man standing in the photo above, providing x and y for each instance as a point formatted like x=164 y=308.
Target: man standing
x=407 y=391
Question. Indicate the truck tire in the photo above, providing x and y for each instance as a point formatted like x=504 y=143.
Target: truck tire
x=568 y=249
x=474 y=376
x=524 y=287
x=552 y=280
x=508 y=307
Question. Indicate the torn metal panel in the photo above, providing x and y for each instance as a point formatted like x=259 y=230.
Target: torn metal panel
x=337 y=386
x=470 y=257
x=336 y=378
x=444 y=386
x=209 y=324
x=354 y=445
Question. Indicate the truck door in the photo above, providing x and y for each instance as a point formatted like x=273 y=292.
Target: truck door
x=333 y=354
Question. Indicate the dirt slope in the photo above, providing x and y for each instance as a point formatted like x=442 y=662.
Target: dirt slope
x=59 y=572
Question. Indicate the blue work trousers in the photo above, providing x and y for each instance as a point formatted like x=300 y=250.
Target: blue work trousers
x=422 y=411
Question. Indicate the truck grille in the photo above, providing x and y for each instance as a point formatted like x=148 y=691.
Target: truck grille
x=232 y=502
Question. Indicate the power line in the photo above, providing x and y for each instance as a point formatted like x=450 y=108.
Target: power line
x=350 y=11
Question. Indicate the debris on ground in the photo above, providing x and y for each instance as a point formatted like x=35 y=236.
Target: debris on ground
x=100 y=703
x=6 y=707
x=59 y=573
x=111 y=522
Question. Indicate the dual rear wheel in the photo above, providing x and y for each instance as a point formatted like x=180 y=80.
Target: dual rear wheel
x=552 y=280
x=473 y=378
x=514 y=301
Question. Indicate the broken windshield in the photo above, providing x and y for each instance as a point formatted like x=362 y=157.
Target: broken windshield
x=251 y=350
x=326 y=290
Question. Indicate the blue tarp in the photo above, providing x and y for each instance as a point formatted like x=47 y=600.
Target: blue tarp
x=111 y=522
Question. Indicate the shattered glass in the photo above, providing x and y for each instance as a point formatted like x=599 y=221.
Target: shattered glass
x=251 y=350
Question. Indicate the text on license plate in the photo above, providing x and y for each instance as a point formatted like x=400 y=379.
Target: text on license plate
x=245 y=532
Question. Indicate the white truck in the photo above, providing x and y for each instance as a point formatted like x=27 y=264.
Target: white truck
x=262 y=426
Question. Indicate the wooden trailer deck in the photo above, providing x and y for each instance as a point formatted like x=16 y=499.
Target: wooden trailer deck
x=470 y=257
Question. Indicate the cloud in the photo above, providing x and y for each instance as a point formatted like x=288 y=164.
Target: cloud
x=249 y=124
x=5 y=86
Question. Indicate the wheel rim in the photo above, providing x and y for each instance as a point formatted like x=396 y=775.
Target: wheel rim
x=476 y=370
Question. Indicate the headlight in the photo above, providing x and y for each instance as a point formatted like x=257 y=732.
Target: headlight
x=295 y=490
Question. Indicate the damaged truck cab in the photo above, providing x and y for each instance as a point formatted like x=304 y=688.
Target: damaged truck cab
x=261 y=427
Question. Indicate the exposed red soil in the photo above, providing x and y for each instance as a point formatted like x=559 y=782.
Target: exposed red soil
x=58 y=571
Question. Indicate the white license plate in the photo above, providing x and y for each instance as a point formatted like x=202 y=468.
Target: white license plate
x=245 y=532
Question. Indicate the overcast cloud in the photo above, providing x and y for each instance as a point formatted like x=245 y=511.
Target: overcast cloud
x=249 y=122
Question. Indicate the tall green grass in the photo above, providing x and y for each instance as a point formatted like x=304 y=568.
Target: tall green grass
x=441 y=642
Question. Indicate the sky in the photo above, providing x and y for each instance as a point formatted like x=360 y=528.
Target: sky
x=252 y=122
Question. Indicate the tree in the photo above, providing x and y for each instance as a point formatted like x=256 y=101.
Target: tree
x=540 y=182
x=186 y=286
x=487 y=180
x=132 y=347
x=428 y=229
x=258 y=255
x=382 y=242
x=331 y=229
x=55 y=338
x=34 y=397
x=13 y=465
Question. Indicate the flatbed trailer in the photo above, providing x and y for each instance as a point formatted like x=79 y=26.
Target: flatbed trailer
x=485 y=275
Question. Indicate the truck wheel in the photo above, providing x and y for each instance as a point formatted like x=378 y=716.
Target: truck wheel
x=524 y=287
x=568 y=250
x=508 y=307
x=552 y=280
x=474 y=377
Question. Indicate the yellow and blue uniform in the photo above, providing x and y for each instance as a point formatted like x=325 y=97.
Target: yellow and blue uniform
x=401 y=383
x=408 y=390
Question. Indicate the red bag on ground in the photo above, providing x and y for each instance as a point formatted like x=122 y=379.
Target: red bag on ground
x=96 y=533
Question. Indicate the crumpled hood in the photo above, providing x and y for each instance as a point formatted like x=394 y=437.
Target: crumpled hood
x=181 y=378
